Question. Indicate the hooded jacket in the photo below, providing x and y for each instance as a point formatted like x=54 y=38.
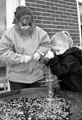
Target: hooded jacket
x=68 y=68
x=12 y=44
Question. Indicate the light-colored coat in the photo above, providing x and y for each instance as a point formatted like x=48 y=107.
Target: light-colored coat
x=12 y=44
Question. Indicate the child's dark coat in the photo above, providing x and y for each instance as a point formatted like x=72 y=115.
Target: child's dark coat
x=68 y=69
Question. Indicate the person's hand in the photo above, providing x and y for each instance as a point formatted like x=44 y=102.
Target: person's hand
x=25 y=59
x=36 y=56
x=59 y=50
x=49 y=55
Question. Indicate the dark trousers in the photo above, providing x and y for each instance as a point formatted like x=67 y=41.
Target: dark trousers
x=16 y=86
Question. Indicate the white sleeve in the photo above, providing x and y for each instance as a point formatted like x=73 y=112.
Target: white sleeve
x=7 y=54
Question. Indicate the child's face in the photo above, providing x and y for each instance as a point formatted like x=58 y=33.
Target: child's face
x=60 y=47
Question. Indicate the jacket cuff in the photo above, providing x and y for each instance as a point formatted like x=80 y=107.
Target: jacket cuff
x=52 y=61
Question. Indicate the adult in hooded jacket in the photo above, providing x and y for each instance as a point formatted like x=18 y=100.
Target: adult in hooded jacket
x=21 y=48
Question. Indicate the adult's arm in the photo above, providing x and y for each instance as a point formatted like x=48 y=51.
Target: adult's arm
x=44 y=42
x=7 y=51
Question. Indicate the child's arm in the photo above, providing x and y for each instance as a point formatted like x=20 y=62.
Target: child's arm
x=67 y=65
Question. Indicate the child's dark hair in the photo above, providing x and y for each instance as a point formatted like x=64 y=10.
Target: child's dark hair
x=22 y=11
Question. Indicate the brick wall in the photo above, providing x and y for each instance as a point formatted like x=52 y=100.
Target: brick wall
x=56 y=15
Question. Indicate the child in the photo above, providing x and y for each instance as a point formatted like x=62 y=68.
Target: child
x=65 y=64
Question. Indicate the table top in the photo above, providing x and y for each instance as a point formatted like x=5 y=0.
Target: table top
x=75 y=98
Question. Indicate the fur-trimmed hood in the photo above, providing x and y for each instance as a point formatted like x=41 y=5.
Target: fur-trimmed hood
x=77 y=52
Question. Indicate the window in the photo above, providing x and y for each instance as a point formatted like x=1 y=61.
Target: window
x=80 y=19
x=80 y=13
x=10 y=9
x=2 y=16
